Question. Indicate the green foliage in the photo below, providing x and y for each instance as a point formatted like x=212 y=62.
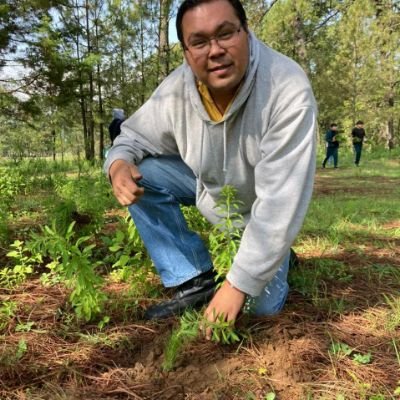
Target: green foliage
x=222 y=331
x=129 y=259
x=3 y=224
x=83 y=200
x=72 y=261
x=196 y=221
x=362 y=358
x=341 y=350
x=180 y=337
x=24 y=327
x=393 y=316
x=225 y=236
x=191 y=323
x=12 y=182
x=13 y=355
x=23 y=267
x=311 y=281
x=7 y=312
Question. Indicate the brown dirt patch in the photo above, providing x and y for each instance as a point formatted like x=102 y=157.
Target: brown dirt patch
x=365 y=186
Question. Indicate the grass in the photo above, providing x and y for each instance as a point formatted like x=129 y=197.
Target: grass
x=338 y=337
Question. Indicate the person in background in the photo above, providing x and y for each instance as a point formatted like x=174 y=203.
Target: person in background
x=358 y=136
x=332 y=149
x=234 y=113
x=114 y=128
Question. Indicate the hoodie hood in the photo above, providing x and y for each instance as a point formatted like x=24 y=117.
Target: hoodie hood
x=118 y=113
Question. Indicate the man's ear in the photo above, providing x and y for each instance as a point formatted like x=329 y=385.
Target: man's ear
x=185 y=54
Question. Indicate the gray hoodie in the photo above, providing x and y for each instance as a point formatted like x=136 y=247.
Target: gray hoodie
x=264 y=147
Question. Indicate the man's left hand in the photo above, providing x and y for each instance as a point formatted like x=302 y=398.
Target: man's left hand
x=227 y=302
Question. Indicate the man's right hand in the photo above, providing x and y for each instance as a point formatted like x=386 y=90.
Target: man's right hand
x=123 y=177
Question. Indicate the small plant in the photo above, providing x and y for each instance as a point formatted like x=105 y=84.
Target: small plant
x=341 y=350
x=180 y=337
x=225 y=236
x=7 y=312
x=196 y=221
x=222 y=331
x=75 y=266
x=362 y=358
x=24 y=327
x=24 y=266
x=104 y=322
x=14 y=354
x=129 y=259
x=393 y=316
x=191 y=323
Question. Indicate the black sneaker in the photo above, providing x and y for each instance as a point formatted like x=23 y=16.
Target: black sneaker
x=191 y=294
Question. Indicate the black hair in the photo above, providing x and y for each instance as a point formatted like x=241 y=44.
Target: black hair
x=332 y=125
x=359 y=122
x=190 y=4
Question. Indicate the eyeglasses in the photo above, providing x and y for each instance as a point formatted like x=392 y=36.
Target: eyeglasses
x=201 y=46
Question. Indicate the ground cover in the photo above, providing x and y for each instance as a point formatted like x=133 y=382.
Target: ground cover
x=338 y=337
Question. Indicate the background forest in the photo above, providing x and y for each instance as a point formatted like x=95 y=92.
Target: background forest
x=64 y=64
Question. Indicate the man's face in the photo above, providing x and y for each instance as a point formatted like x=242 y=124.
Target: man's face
x=220 y=69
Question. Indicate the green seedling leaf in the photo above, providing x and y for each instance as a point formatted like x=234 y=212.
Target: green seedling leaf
x=341 y=349
x=362 y=358
x=24 y=327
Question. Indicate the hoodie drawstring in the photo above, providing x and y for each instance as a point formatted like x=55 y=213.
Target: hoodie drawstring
x=201 y=153
x=224 y=167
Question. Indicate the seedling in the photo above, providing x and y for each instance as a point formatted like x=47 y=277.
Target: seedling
x=226 y=235
x=341 y=350
x=191 y=323
x=24 y=265
x=180 y=337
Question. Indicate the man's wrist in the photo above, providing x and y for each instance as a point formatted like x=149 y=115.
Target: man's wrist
x=234 y=287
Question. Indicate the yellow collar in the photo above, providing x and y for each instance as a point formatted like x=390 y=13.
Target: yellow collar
x=209 y=103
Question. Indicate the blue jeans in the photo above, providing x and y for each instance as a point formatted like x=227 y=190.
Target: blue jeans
x=178 y=253
x=331 y=152
x=357 y=151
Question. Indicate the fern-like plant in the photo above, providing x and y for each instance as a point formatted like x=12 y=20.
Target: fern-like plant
x=225 y=236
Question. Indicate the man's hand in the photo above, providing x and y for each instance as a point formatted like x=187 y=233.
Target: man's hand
x=123 y=179
x=227 y=301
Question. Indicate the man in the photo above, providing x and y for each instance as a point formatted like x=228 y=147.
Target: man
x=331 y=138
x=358 y=135
x=235 y=113
x=114 y=128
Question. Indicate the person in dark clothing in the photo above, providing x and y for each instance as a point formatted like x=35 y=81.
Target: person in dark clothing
x=115 y=127
x=358 y=134
x=332 y=149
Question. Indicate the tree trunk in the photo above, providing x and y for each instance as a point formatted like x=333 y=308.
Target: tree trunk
x=53 y=134
x=388 y=66
x=390 y=123
x=300 y=43
x=99 y=88
x=82 y=100
x=91 y=88
x=163 y=44
x=142 y=55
